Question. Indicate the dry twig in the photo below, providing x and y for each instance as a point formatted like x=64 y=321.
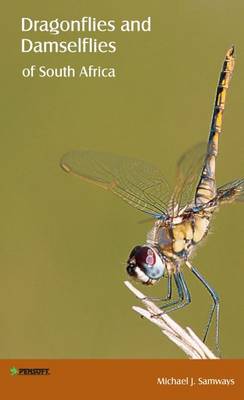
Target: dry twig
x=185 y=339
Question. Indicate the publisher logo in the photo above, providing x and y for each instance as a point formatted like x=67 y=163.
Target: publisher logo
x=13 y=371
x=29 y=371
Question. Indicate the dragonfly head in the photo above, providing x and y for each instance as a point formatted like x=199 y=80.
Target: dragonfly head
x=145 y=264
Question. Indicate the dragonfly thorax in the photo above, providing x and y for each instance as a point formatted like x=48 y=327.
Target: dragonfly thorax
x=177 y=237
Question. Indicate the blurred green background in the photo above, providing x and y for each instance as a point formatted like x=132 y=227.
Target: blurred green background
x=64 y=243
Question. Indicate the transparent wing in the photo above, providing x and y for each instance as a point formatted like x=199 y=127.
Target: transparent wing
x=138 y=183
x=189 y=168
x=232 y=191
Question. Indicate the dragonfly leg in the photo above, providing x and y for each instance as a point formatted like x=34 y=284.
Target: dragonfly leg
x=184 y=297
x=183 y=293
x=169 y=292
x=214 y=307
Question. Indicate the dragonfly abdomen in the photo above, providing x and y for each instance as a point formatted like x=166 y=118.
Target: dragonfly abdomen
x=206 y=189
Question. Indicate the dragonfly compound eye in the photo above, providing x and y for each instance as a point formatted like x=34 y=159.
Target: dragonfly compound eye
x=145 y=264
x=134 y=251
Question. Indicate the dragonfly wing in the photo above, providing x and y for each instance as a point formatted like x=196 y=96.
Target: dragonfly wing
x=138 y=183
x=232 y=191
x=189 y=168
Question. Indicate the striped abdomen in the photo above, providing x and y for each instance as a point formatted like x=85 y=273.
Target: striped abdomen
x=206 y=189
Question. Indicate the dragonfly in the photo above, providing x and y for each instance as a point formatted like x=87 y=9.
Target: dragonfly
x=182 y=216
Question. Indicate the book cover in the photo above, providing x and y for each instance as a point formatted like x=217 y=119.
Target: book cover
x=121 y=139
